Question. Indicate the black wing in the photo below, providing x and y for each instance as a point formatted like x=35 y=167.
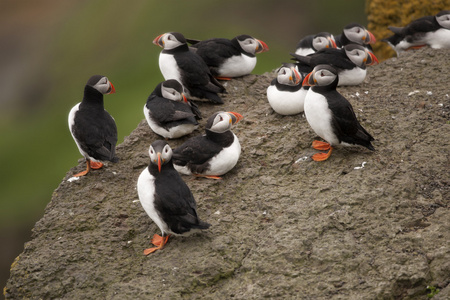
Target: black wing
x=176 y=203
x=345 y=123
x=195 y=153
x=96 y=134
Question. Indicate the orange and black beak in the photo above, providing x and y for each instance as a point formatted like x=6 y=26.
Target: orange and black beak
x=158 y=41
x=309 y=80
x=371 y=59
x=159 y=161
x=369 y=38
x=184 y=98
x=235 y=117
x=296 y=77
x=112 y=89
x=262 y=47
x=332 y=42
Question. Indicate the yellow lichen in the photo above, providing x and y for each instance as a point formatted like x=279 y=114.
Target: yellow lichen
x=384 y=13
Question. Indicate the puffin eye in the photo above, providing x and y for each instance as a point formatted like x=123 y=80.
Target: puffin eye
x=220 y=118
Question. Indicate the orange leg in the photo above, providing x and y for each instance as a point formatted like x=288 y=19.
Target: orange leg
x=209 y=176
x=318 y=145
x=88 y=168
x=222 y=78
x=96 y=165
x=322 y=156
x=158 y=241
x=415 y=47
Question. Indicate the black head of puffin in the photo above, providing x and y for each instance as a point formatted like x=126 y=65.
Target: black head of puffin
x=288 y=74
x=358 y=34
x=222 y=121
x=251 y=45
x=443 y=18
x=102 y=84
x=321 y=75
x=170 y=40
x=172 y=89
x=160 y=153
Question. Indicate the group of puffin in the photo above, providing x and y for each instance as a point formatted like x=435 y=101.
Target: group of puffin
x=192 y=70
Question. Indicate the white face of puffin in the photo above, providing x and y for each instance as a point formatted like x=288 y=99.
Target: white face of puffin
x=358 y=34
x=104 y=86
x=160 y=153
x=289 y=76
x=222 y=122
x=253 y=46
x=169 y=41
x=172 y=94
x=443 y=18
x=357 y=56
x=323 y=77
x=321 y=42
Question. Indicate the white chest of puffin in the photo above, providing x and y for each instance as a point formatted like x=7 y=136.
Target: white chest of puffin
x=212 y=154
x=285 y=93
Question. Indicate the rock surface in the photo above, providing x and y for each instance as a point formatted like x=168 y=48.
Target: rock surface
x=361 y=225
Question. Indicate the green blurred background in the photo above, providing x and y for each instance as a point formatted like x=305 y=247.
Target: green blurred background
x=48 y=50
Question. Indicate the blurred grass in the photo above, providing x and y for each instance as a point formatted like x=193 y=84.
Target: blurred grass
x=114 y=38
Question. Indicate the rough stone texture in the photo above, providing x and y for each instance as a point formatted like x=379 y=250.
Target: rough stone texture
x=384 y=13
x=283 y=226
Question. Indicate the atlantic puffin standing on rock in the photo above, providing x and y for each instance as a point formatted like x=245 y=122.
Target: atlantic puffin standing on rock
x=315 y=42
x=92 y=127
x=330 y=115
x=169 y=113
x=166 y=198
x=229 y=58
x=433 y=31
x=212 y=154
x=285 y=93
x=176 y=61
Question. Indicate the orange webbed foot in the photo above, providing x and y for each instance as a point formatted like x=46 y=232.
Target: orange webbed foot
x=318 y=145
x=96 y=165
x=322 y=156
x=209 y=176
x=158 y=241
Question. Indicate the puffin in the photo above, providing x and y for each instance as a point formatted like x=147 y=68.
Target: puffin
x=212 y=154
x=92 y=127
x=229 y=58
x=330 y=114
x=169 y=113
x=433 y=31
x=176 y=61
x=350 y=62
x=355 y=33
x=285 y=93
x=315 y=42
x=166 y=198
